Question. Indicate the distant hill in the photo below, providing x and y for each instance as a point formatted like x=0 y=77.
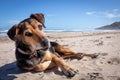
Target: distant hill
x=113 y=26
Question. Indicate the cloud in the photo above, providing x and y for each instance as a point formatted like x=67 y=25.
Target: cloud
x=115 y=10
x=114 y=13
x=90 y=13
x=111 y=15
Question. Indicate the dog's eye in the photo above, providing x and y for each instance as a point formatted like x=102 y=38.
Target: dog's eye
x=28 y=34
x=40 y=27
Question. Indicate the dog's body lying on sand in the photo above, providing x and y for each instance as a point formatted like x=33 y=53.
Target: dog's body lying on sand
x=35 y=52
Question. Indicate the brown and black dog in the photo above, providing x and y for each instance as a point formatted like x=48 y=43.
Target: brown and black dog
x=35 y=52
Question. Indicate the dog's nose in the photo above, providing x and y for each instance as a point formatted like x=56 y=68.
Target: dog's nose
x=45 y=42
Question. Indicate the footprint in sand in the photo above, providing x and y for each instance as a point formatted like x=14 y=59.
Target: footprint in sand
x=95 y=76
x=113 y=78
x=114 y=60
x=103 y=54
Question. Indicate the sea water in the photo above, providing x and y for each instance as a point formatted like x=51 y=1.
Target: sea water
x=4 y=30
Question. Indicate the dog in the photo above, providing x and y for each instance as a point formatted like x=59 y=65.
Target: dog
x=35 y=52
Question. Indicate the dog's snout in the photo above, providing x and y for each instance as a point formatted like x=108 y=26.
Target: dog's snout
x=45 y=42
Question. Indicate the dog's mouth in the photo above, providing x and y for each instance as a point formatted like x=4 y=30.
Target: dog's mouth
x=43 y=49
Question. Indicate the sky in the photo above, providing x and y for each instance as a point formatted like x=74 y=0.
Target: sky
x=61 y=14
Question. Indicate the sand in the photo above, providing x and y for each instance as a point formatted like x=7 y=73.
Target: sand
x=105 y=67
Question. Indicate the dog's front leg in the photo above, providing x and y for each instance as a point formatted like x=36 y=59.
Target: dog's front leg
x=67 y=70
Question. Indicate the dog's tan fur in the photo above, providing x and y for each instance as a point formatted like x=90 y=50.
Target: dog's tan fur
x=30 y=33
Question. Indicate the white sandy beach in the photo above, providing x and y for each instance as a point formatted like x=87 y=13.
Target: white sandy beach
x=105 y=67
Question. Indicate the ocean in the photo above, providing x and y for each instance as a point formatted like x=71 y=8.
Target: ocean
x=3 y=30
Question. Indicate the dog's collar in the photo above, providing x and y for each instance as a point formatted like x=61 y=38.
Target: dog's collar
x=22 y=52
x=35 y=53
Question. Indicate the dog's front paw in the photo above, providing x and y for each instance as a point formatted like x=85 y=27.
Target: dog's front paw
x=69 y=72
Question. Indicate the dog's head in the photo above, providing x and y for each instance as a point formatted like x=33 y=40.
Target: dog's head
x=30 y=32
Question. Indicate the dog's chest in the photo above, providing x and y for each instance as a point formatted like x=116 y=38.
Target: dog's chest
x=28 y=61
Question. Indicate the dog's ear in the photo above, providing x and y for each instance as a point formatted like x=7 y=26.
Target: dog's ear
x=12 y=32
x=39 y=17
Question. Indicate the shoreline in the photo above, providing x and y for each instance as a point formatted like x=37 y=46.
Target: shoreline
x=51 y=32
